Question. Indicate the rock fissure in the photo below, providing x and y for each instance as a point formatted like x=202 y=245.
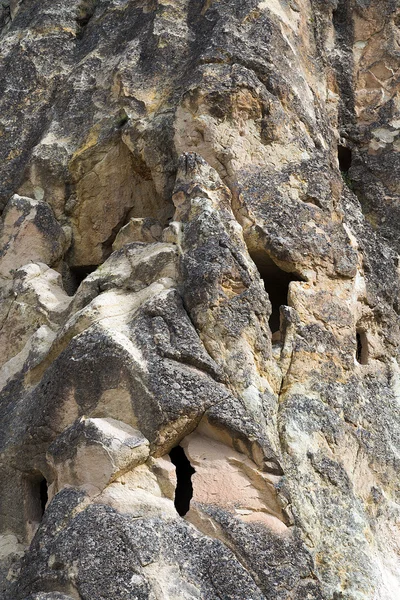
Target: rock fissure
x=184 y=472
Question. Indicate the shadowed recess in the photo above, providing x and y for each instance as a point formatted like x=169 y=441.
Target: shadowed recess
x=75 y=277
x=37 y=497
x=344 y=158
x=43 y=495
x=276 y=284
x=362 y=347
x=184 y=472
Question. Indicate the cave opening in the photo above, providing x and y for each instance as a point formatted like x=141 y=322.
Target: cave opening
x=276 y=284
x=36 y=499
x=43 y=495
x=362 y=347
x=344 y=158
x=184 y=487
x=85 y=13
x=74 y=276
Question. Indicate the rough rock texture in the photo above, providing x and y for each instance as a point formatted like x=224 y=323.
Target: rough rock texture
x=199 y=300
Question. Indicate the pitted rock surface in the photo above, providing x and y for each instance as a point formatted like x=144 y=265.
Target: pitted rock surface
x=199 y=251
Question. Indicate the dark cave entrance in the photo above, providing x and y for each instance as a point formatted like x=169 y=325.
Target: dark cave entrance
x=73 y=277
x=184 y=472
x=344 y=158
x=362 y=347
x=43 y=495
x=37 y=497
x=276 y=284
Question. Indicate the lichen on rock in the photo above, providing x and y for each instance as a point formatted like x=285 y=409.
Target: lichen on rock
x=199 y=300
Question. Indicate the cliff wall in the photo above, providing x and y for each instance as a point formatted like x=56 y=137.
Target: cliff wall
x=199 y=283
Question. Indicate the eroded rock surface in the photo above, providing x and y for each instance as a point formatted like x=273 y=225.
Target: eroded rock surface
x=199 y=300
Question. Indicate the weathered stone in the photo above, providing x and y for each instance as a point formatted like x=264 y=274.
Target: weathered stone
x=229 y=480
x=34 y=307
x=199 y=257
x=29 y=233
x=93 y=452
x=138 y=230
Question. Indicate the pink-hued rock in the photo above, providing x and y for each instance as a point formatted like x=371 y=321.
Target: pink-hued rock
x=228 y=479
x=29 y=233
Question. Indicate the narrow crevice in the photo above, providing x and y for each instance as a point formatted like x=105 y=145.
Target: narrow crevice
x=107 y=244
x=362 y=347
x=276 y=284
x=36 y=498
x=83 y=21
x=122 y=119
x=43 y=494
x=184 y=487
x=344 y=158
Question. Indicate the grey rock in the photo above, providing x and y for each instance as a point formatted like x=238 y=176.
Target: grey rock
x=199 y=247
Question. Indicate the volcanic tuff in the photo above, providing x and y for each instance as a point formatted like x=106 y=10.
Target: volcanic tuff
x=199 y=280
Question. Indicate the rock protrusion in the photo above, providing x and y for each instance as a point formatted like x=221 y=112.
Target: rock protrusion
x=29 y=233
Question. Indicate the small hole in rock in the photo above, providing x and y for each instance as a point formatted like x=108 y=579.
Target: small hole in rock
x=344 y=158
x=43 y=494
x=276 y=284
x=73 y=277
x=362 y=347
x=83 y=21
x=37 y=497
x=123 y=119
x=184 y=472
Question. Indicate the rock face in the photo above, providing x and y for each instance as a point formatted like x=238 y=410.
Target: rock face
x=199 y=316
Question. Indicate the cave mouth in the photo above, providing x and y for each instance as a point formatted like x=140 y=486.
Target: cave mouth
x=344 y=158
x=362 y=347
x=43 y=494
x=276 y=284
x=37 y=497
x=184 y=487
x=74 y=276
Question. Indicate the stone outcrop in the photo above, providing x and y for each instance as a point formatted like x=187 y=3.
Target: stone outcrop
x=199 y=300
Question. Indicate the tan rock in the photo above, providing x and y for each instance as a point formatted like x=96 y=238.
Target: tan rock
x=35 y=300
x=138 y=230
x=29 y=233
x=102 y=449
x=226 y=478
x=104 y=196
x=140 y=492
x=261 y=333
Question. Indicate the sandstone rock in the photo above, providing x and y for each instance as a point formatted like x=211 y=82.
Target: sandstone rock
x=227 y=479
x=146 y=492
x=138 y=230
x=36 y=301
x=29 y=233
x=104 y=184
x=149 y=544
x=102 y=449
x=199 y=300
